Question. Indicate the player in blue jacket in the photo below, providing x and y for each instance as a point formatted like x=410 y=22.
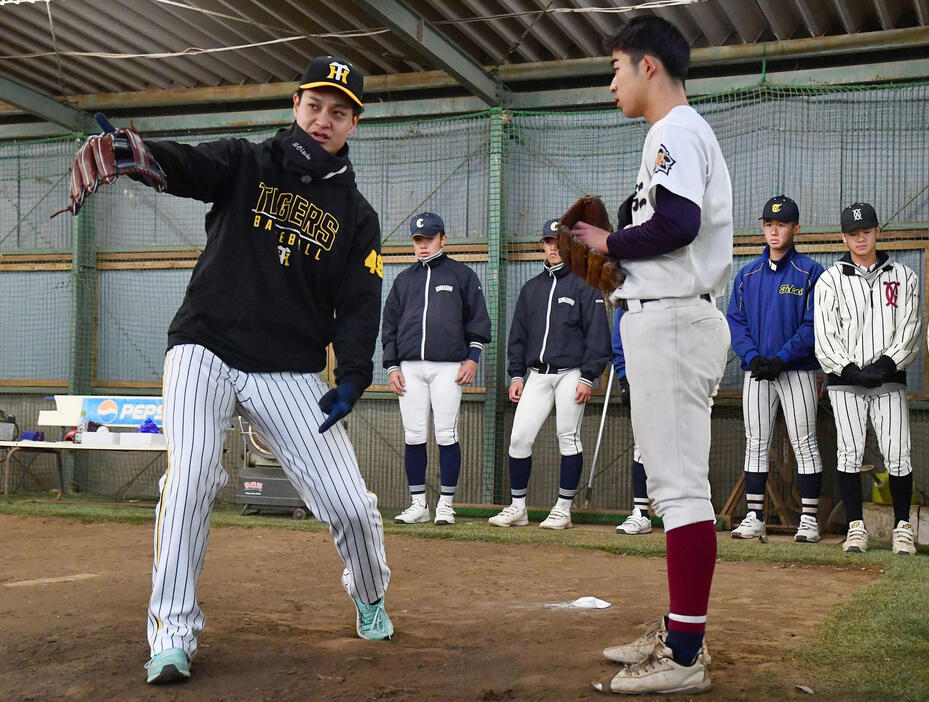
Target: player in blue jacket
x=558 y=347
x=771 y=322
x=434 y=327
x=638 y=522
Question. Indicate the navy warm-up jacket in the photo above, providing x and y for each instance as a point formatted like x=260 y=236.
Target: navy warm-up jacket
x=771 y=310
x=560 y=322
x=435 y=311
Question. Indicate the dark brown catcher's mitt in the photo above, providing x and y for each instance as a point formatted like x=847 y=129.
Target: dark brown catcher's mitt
x=594 y=268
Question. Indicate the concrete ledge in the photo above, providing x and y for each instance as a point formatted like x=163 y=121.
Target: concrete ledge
x=880 y=521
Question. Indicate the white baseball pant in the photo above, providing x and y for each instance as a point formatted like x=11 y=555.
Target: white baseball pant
x=795 y=393
x=675 y=352
x=891 y=420
x=200 y=393
x=541 y=392
x=430 y=384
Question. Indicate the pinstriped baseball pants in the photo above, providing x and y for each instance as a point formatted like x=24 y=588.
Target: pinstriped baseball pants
x=891 y=420
x=200 y=394
x=795 y=392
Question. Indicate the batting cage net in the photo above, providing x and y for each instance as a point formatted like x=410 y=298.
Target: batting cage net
x=89 y=298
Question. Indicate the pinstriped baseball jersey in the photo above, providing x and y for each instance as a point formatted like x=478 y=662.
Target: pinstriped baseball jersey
x=863 y=315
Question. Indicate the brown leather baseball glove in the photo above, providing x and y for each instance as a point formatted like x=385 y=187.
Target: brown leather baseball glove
x=594 y=268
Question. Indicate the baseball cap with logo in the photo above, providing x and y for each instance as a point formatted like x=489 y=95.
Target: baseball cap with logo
x=858 y=215
x=550 y=229
x=334 y=72
x=781 y=208
x=426 y=224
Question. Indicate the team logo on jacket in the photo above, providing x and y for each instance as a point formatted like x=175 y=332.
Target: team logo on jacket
x=297 y=223
x=663 y=161
x=790 y=290
x=566 y=300
x=891 y=288
x=444 y=288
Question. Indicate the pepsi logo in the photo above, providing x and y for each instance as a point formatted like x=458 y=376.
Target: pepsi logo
x=107 y=411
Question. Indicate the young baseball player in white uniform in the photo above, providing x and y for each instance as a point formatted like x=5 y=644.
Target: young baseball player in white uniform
x=434 y=328
x=677 y=257
x=559 y=344
x=771 y=322
x=291 y=264
x=867 y=332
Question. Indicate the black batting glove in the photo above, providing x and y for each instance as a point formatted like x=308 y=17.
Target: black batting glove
x=624 y=390
x=757 y=367
x=337 y=403
x=774 y=366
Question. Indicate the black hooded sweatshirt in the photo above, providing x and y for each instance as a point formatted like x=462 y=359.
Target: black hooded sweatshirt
x=292 y=259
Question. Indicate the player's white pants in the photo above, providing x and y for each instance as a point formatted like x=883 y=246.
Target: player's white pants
x=891 y=421
x=675 y=356
x=541 y=392
x=200 y=392
x=795 y=392
x=430 y=384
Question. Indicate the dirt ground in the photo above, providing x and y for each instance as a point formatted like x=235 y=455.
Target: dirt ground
x=471 y=618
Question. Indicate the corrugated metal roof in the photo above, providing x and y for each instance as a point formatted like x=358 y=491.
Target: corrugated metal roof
x=73 y=47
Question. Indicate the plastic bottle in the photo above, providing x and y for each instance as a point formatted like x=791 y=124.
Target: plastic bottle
x=81 y=428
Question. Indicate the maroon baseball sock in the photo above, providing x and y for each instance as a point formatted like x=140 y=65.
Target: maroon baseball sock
x=691 y=559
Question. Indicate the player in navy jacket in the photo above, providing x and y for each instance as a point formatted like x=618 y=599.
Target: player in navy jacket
x=558 y=345
x=771 y=322
x=434 y=327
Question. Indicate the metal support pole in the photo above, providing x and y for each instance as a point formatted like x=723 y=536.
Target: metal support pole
x=83 y=326
x=495 y=294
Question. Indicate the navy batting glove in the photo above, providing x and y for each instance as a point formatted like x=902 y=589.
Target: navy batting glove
x=337 y=403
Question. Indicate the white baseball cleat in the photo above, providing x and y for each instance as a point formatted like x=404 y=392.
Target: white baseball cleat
x=808 y=531
x=660 y=674
x=444 y=514
x=856 y=540
x=903 y=539
x=750 y=528
x=635 y=523
x=510 y=516
x=556 y=519
x=414 y=514
x=638 y=650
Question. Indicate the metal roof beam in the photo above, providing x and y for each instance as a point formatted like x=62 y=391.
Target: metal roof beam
x=922 y=11
x=45 y=107
x=413 y=31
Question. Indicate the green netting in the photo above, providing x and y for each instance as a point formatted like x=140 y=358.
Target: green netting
x=825 y=147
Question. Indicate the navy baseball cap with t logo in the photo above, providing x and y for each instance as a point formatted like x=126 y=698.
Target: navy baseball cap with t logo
x=550 y=229
x=334 y=72
x=781 y=208
x=426 y=224
x=859 y=215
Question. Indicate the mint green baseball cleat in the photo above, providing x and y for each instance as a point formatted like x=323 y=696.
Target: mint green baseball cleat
x=371 y=621
x=170 y=665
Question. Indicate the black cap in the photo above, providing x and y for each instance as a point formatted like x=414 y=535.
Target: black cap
x=334 y=72
x=781 y=208
x=858 y=215
x=426 y=224
x=550 y=229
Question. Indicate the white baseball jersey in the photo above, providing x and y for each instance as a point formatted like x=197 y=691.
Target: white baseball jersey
x=682 y=154
x=863 y=315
